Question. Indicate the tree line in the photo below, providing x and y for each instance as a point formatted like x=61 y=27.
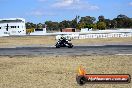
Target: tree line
x=121 y=21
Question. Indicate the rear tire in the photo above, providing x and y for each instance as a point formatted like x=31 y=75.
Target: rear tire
x=57 y=46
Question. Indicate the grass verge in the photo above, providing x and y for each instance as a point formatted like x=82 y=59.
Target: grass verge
x=59 y=71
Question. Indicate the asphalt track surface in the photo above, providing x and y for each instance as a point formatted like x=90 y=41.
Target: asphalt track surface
x=76 y=50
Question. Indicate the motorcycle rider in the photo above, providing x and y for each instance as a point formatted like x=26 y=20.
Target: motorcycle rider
x=63 y=39
x=63 y=42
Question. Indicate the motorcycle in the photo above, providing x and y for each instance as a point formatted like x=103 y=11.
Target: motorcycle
x=63 y=43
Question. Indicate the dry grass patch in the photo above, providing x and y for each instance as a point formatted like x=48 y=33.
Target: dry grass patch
x=50 y=40
x=26 y=40
x=59 y=71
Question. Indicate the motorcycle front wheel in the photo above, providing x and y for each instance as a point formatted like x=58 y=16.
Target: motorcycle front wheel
x=70 y=45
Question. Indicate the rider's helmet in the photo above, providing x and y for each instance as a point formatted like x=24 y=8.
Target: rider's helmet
x=61 y=38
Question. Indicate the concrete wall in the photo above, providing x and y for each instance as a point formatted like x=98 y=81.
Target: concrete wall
x=100 y=34
x=110 y=35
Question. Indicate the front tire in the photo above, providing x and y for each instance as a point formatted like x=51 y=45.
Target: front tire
x=70 y=45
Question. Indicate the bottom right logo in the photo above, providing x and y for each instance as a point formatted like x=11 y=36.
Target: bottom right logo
x=83 y=78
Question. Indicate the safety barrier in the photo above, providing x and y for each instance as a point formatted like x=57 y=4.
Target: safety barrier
x=107 y=35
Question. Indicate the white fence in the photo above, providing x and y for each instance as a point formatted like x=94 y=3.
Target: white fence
x=107 y=35
x=117 y=35
x=85 y=33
